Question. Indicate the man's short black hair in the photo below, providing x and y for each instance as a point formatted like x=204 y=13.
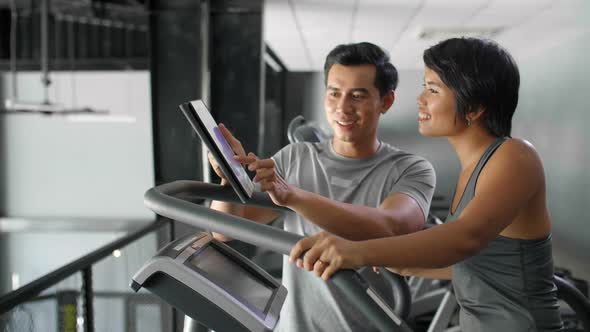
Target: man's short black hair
x=483 y=75
x=364 y=54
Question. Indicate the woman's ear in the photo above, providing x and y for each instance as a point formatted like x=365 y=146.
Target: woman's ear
x=472 y=117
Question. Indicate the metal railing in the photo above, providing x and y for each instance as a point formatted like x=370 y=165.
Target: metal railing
x=84 y=265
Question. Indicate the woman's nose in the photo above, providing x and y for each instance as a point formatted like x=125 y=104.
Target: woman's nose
x=420 y=100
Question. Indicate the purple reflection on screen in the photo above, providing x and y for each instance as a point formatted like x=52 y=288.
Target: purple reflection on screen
x=228 y=153
x=225 y=148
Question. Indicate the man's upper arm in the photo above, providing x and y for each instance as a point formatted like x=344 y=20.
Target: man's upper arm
x=407 y=215
x=414 y=188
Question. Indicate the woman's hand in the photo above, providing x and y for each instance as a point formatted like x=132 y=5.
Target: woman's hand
x=326 y=253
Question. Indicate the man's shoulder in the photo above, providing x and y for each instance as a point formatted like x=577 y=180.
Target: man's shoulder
x=397 y=153
x=302 y=148
x=293 y=156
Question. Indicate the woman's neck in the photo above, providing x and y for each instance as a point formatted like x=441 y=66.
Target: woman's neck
x=470 y=145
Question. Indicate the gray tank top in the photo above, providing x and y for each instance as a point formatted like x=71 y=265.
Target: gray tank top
x=508 y=286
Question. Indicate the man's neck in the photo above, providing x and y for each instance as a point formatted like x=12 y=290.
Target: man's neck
x=356 y=150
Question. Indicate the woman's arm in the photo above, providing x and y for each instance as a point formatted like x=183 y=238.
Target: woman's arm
x=507 y=183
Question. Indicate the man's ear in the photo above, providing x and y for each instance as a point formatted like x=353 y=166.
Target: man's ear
x=387 y=101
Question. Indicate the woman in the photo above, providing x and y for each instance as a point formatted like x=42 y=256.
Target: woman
x=495 y=245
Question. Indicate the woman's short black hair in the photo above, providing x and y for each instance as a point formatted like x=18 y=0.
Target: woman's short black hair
x=483 y=75
x=365 y=54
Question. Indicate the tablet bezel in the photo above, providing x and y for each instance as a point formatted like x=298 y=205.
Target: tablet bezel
x=199 y=126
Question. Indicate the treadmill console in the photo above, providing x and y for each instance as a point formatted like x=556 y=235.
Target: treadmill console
x=213 y=284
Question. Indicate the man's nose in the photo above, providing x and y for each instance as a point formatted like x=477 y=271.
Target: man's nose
x=343 y=105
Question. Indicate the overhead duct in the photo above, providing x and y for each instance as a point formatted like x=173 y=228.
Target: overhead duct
x=46 y=106
x=88 y=35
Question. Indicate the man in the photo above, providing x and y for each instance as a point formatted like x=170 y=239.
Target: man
x=352 y=185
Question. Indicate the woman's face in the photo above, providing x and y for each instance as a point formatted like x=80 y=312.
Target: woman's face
x=437 y=108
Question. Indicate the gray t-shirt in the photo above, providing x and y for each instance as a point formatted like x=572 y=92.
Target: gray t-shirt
x=312 y=304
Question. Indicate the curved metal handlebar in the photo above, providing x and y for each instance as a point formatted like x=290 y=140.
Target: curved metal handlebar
x=166 y=200
x=170 y=200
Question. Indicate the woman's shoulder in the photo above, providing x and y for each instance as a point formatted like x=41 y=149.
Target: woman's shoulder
x=519 y=149
x=519 y=143
x=518 y=156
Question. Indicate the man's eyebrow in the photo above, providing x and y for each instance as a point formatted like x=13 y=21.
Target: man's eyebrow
x=333 y=88
x=360 y=90
x=353 y=90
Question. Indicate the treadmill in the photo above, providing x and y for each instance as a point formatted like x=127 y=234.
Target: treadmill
x=215 y=285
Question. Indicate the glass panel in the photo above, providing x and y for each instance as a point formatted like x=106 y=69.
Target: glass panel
x=149 y=318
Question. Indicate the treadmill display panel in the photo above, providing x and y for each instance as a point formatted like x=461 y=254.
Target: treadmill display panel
x=233 y=277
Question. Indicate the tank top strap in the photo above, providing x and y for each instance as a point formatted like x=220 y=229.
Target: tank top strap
x=470 y=187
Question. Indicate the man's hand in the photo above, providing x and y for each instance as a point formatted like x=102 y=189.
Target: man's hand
x=270 y=181
x=325 y=254
x=236 y=146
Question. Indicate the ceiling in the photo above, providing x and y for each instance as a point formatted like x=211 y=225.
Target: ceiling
x=302 y=32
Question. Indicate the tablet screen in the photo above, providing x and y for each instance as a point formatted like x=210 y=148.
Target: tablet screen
x=220 y=148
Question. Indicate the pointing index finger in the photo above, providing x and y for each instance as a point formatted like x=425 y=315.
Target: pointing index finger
x=245 y=160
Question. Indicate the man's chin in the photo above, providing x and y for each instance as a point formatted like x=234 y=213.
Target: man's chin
x=345 y=139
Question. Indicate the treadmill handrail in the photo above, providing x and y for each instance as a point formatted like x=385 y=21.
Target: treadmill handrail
x=161 y=200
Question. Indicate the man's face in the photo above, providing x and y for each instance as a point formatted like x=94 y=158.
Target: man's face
x=352 y=102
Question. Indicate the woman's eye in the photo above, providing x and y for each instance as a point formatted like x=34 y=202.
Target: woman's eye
x=431 y=90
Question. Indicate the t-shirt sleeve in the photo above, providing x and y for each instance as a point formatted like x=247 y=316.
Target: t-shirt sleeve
x=417 y=181
x=284 y=158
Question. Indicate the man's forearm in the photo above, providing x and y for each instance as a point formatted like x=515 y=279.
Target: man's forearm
x=442 y=273
x=253 y=213
x=230 y=208
x=354 y=222
x=227 y=207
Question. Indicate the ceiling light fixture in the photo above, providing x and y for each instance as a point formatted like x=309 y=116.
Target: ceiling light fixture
x=441 y=33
